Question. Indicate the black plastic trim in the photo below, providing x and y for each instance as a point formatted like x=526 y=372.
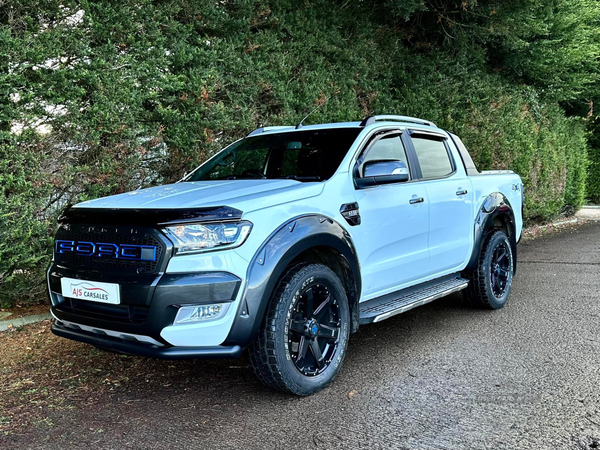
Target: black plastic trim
x=367 y=182
x=495 y=205
x=142 y=349
x=148 y=217
x=196 y=288
x=160 y=294
x=273 y=257
x=106 y=233
x=351 y=213
x=413 y=161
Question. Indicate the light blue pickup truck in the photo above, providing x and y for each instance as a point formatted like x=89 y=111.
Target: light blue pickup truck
x=285 y=243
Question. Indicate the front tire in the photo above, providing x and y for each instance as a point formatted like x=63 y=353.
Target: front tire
x=303 y=340
x=490 y=283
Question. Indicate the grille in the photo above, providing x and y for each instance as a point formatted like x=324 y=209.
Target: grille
x=118 y=313
x=110 y=235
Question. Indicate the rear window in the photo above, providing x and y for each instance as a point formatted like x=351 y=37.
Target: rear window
x=433 y=157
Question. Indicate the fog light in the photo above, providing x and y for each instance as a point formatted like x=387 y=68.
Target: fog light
x=200 y=313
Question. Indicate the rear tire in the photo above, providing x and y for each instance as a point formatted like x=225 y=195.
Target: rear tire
x=490 y=283
x=303 y=340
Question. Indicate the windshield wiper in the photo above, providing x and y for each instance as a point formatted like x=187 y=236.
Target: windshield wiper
x=302 y=178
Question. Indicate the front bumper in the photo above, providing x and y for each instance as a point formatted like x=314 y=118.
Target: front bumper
x=149 y=304
x=135 y=347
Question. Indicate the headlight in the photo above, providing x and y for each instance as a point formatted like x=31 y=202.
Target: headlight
x=200 y=237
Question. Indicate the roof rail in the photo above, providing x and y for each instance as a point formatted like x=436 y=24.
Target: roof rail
x=372 y=119
x=265 y=129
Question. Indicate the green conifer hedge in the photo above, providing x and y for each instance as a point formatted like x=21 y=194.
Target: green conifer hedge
x=98 y=98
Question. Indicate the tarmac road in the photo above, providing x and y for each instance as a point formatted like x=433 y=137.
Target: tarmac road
x=442 y=376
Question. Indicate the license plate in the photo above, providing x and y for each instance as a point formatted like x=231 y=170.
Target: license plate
x=93 y=291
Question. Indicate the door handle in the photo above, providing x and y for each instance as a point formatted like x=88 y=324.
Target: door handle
x=461 y=192
x=412 y=201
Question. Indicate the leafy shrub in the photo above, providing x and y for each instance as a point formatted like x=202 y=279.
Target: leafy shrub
x=98 y=98
x=593 y=183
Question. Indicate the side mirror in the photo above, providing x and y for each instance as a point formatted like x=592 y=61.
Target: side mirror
x=381 y=172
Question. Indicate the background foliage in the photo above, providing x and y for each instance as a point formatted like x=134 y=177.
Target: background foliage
x=98 y=98
x=593 y=179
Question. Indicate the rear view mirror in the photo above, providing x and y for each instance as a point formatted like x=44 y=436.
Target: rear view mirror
x=226 y=160
x=382 y=172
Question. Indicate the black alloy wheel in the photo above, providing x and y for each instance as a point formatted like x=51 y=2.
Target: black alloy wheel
x=314 y=330
x=490 y=282
x=302 y=343
x=500 y=269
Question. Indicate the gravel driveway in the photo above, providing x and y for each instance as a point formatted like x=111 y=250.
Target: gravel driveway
x=439 y=377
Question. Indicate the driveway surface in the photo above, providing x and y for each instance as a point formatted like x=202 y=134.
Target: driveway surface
x=443 y=376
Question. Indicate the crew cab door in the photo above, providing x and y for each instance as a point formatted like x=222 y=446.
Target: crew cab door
x=450 y=196
x=394 y=220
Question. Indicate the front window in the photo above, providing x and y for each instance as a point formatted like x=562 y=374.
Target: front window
x=388 y=148
x=311 y=155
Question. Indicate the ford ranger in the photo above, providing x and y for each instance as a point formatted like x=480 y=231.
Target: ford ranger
x=284 y=243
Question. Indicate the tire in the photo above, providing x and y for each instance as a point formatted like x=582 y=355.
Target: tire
x=490 y=288
x=293 y=328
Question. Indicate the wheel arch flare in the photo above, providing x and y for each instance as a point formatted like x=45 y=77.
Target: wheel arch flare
x=495 y=212
x=316 y=237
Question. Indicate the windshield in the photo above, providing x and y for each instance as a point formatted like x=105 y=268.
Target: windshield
x=300 y=155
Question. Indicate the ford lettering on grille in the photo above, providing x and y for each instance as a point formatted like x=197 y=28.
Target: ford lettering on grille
x=107 y=250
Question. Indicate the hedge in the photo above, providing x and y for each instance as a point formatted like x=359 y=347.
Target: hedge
x=98 y=98
x=593 y=179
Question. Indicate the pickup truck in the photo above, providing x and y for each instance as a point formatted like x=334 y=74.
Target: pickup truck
x=284 y=243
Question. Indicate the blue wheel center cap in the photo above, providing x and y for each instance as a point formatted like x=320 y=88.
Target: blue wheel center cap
x=314 y=328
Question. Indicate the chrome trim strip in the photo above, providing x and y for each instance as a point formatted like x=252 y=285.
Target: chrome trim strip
x=410 y=306
x=48 y=282
x=55 y=318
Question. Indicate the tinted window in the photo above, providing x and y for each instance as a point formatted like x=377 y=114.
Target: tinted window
x=386 y=149
x=433 y=157
x=303 y=155
x=235 y=163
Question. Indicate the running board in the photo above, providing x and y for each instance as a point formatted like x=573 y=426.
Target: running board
x=389 y=305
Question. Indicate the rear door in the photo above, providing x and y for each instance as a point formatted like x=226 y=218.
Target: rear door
x=394 y=223
x=450 y=196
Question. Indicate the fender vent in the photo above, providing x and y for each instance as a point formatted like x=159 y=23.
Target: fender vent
x=351 y=213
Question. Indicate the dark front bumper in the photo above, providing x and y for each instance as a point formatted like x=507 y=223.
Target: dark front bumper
x=149 y=303
x=143 y=349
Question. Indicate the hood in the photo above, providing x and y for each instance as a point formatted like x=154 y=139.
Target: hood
x=245 y=195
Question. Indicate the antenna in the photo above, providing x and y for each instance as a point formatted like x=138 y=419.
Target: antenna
x=310 y=113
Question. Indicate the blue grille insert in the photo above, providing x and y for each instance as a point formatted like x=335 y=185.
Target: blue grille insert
x=107 y=250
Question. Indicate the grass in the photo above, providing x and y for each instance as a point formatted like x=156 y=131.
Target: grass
x=44 y=377
x=39 y=374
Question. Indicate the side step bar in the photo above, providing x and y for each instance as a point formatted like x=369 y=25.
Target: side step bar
x=389 y=305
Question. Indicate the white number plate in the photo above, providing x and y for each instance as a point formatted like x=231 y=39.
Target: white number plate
x=93 y=291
